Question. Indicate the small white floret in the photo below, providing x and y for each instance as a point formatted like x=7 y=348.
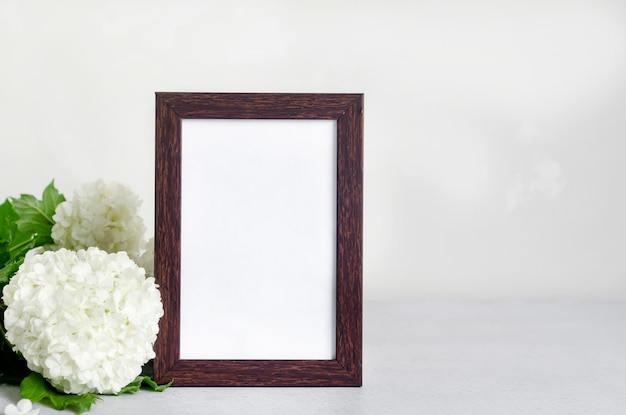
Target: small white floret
x=23 y=407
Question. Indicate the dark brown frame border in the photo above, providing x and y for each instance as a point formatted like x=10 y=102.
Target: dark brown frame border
x=347 y=110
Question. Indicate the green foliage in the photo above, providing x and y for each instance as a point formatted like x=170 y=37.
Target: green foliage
x=10 y=268
x=8 y=219
x=8 y=229
x=35 y=388
x=35 y=216
x=25 y=223
x=143 y=382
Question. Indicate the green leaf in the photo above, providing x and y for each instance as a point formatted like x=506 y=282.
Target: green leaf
x=33 y=220
x=8 y=253
x=21 y=244
x=8 y=217
x=35 y=388
x=51 y=198
x=146 y=382
x=35 y=216
x=5 y=255
x=9 y=269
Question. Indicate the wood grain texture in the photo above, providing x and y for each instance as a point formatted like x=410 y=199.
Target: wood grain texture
x=167 y=233
x=347 y=109
x=258 y=106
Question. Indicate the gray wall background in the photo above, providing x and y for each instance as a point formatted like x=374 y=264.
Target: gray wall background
x=495 y=130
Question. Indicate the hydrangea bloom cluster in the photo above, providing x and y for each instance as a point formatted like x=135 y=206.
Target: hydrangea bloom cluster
x=101 y=214
x=86 y=320
x=146 y=260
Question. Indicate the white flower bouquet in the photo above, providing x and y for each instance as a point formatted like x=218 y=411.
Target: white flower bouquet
x=79 y=310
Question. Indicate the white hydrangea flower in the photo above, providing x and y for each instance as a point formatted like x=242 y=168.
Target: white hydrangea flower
x=100 y=214
x=146 y=259
x=23 y=407
x=87 y=320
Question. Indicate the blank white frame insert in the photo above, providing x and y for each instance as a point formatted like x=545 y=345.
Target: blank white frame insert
x=258 y=239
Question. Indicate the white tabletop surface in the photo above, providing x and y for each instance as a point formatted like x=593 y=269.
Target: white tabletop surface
x=442 y=358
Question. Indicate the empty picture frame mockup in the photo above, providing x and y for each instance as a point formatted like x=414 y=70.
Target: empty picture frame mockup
x=258 y=239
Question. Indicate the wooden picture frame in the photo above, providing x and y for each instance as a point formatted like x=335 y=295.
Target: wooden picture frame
x=344 y=368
